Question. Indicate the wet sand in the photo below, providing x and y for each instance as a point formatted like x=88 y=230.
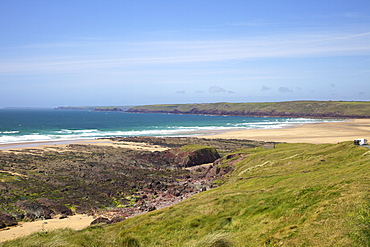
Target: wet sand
x=316 y=133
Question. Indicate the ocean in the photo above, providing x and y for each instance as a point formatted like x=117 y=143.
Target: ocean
x=18 y=126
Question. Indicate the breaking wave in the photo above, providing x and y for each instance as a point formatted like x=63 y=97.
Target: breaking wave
x=60 y=126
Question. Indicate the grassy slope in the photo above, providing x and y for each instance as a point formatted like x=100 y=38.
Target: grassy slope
x=294 y=195
x=340 y=108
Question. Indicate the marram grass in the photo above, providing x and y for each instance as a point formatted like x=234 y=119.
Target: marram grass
x=293 y=195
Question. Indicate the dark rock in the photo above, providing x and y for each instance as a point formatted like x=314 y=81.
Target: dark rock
x=34 y=210
x=30 y=217
x=117 y=219
x=63 y=216
x=56 y=207
x=19 y=216
x=125 y=201
x=231 y=156
x=100 y=220
x=7 y=220
x=187 y=158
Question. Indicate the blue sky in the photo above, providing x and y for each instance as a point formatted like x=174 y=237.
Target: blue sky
x=57 y=53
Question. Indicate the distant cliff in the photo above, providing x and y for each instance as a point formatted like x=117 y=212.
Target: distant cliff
x=94 y=108
x=107 y=109
x=321 y=109
x=75 y=108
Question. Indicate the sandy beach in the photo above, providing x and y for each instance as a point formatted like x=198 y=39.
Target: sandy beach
x=317 y=133
x=76 y=222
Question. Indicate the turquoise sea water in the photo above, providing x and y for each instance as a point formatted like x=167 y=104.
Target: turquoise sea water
x=55 y=125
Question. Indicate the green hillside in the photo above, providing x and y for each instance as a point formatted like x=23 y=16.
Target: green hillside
x=291 y=108
x=293 y=195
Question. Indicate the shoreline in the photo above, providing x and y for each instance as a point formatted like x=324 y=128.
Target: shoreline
x=315 y=133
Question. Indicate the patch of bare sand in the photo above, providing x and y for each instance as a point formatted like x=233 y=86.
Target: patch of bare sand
x=76 y=222
x=331 y=132
x=63 y=146
x=14 y=173
x=130 y=145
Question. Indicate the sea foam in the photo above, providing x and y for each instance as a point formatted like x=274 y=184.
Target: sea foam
x=38 y=126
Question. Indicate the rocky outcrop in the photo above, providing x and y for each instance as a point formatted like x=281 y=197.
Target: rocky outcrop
x=42 y=208
x=193 y=155
x=104 y=220
x=39 y=183
x=7 y=220
x=34 y=210
x=100 y=220
x=56 y=208
x=181 y=157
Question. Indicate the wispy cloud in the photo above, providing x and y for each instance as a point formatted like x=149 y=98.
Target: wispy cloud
x=265 y=88
x=97 y=54
x=285 y=90
x=216 y=89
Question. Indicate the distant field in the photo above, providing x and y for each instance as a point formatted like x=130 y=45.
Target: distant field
x=293 y=195
x=355 y=109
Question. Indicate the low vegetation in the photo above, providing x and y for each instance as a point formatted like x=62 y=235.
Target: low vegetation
x=346 y=109
x=293 y=195
x=41 y=183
